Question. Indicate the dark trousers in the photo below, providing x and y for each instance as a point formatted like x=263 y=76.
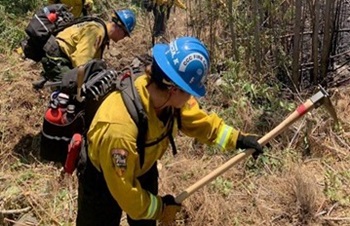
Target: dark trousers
x=96 y=206
x=55 y=62
x=161 y=17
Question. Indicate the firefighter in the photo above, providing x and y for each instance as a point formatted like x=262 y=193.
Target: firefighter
x=161 y=12
x=113 y=179
x=82 y=42
x=77 y=7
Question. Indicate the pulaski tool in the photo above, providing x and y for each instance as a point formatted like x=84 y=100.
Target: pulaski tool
x=318 y=99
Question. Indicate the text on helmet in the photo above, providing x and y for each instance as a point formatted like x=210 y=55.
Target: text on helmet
x=194 y=57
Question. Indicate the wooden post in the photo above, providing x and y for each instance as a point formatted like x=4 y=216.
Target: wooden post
x=257 y=48
x=315 y=39
x=234 y=50
x=296 y=47
x=327 y=37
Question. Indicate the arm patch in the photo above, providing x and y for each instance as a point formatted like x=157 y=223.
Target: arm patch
x=119 y=159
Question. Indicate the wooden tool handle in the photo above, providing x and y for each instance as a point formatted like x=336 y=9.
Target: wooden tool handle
x=80 y=82
x=297 y=114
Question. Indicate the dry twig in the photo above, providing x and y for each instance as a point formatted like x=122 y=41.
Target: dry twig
x=337 y=218
x=15 y=211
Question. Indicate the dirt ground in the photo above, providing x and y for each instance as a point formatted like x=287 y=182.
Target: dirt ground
x=293 y=188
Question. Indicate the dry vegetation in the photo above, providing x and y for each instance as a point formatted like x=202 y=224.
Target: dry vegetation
x=303 y=179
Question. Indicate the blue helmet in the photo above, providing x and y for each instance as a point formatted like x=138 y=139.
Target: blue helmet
x=185 y=61
x=127 y=18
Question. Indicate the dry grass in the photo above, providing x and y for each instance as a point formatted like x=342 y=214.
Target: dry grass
x=302 y=180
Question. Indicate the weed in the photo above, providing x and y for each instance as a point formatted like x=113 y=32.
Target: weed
x=62 y=194
x=222 y=185
x=335 y=182
x=212 y=150
x=16 y=165
x=20 y=7
x=8 y=75
x=26 y=176
x=11 y=32
x=186 y=176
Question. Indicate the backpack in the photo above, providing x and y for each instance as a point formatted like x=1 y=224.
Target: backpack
x=84 y=11
x=47 y=22
x=60 y=141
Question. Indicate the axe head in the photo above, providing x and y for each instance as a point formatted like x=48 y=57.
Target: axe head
x=322 y=98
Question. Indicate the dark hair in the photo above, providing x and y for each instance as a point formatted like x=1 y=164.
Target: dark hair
x=120 y=24
x=158 y=76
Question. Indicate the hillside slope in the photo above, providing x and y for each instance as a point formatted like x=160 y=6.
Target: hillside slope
x=301 y=180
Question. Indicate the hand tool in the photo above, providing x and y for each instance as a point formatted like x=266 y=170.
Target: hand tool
x=318 y=99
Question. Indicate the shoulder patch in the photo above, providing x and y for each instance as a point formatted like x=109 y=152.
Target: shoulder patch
x=119 y=159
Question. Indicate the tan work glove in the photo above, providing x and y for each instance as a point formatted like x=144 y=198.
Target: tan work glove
x=170 y=208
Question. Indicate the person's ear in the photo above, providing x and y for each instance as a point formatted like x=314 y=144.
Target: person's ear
x=173 y=89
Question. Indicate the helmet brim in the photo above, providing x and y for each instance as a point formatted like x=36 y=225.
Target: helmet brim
x=125 y=28
x=158 y=52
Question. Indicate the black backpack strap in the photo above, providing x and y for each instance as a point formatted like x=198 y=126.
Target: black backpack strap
x=133 y=103
x=177 y=116
x=172 y=143
x=84 y=11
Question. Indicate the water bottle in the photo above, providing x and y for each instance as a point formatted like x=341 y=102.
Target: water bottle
x=46 y=11
x=54 y=95
x=63 y=100
x=51 y=16
x=53 y=114
x=69 y=115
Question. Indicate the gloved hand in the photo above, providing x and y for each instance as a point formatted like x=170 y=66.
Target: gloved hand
x=247 y=141
x=170 y=208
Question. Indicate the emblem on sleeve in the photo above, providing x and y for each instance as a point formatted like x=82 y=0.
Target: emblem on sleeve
x=119 y=158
